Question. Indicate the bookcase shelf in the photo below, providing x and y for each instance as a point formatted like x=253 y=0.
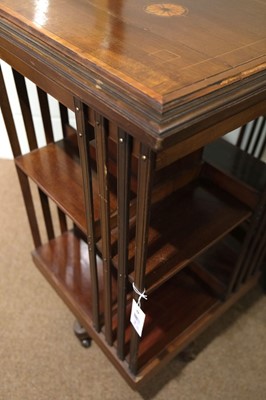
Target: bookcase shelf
x=56 y=170
x=184 y=225
x=65 y=264
x=168 y=327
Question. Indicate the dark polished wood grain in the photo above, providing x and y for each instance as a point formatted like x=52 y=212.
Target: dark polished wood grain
x=204 y=52
x=146 y=191
x=86 y=165
x=68 y=179
x=193 y=228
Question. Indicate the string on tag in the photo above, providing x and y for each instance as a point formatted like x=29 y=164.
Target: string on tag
x=141 y=295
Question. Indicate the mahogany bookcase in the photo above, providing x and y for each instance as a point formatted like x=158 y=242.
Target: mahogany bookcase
x=146 y=191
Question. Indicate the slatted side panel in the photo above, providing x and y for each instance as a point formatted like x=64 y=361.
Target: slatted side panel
x=252 y=137
x=250 y=254
x=124 y=150
x=111 y=316
x=32 y=140
x=84 y=150
x=259 y=248
x=25 y=109
x=39 y=126
x=11 y=129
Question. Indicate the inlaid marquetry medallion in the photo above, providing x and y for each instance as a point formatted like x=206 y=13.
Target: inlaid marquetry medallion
x=166 y=10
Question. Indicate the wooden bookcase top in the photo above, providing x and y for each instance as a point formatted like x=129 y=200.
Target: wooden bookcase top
x=160 y=65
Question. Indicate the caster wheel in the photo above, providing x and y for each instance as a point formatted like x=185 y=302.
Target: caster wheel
x=86 y=343
x=189 y=354
x=82 y=335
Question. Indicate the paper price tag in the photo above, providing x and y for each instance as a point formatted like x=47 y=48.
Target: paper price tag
x=137 y=317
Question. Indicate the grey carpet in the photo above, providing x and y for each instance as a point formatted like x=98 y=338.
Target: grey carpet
x=40 y=359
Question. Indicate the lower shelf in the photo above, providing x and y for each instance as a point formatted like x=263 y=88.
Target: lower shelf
x=64 y=262
x=171 y=312
x=175 y=314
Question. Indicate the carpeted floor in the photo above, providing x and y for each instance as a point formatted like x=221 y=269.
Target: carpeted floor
x=40 y=359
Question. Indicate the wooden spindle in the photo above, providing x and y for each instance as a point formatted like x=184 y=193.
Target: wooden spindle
x=253 y=125
x=258 y=249
x=25 y=109
x=145 y=177
x=123 y=190
x=102 y=172
x=8 y=118
x=263 y=145
x=249 y=246
x=47 y=215
x=29 y=205
x=46 y=116
x=81 y=119
x=64 y=118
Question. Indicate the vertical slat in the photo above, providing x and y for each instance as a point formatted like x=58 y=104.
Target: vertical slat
x=47 y=215
x=8 y=117
x=263 y=148
x=46 y=116
x=25 y=109
x=48 y=130
x=30 y=131
x=249 y=246
x=145 y=175
x=237 y=271
x=241 y=135
x=260 y=255
x=64 y=122
x=258 y=137
x=81 y=114
x=263 y=145
x=249 y=147
x=123 y=192
x=247 y=259
x=252 y=251
x=257 y=248
x=25 y=188
x=251 y=133
x=102 y=173
x=62 y=220
x=23 y=180
x=261 y=258
x=64 y=118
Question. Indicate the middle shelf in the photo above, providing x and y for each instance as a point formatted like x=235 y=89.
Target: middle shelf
x=56 y=170
x=183 y=225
